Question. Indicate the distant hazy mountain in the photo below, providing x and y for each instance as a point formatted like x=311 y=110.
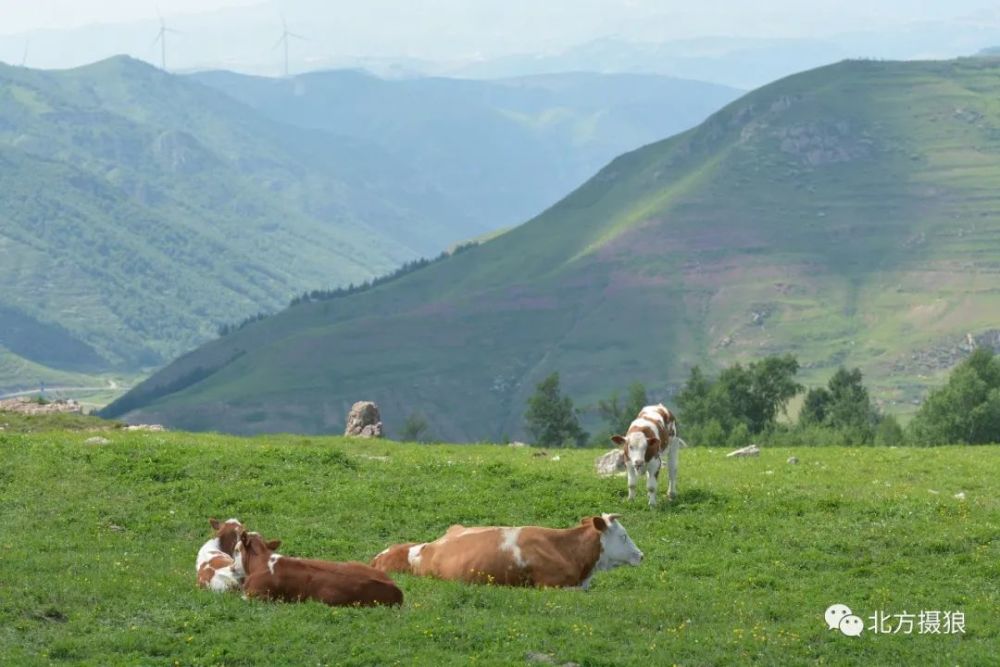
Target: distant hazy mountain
x=140 y=210
x=739 y=62
x=733 y=43
x=849 y=215
x=498 y=151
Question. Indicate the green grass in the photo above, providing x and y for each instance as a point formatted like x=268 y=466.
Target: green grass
x=99 y=545
x=17 y=423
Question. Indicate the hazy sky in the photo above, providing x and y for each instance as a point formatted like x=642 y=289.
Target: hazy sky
x=641 y=18
x=240 y=34
x=23 y=15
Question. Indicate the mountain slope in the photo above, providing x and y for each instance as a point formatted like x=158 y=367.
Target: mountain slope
x=141 y=210
x=500 y=151
x=848 y=215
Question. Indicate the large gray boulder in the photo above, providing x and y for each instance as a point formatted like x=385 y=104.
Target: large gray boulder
x=364 y=420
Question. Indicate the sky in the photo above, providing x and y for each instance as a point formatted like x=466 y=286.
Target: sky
x=18 y=16
x=240 y=34
x=677 y=18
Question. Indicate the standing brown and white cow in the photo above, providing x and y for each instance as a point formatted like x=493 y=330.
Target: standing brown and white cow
x=650 y=433
x=275 y=577
x=521 y=556
x=217 y=566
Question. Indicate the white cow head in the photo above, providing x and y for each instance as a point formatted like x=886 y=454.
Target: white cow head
x=636 y=443
x=617 y=548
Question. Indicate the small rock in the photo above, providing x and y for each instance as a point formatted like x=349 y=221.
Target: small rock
x=555 y=458
x=518 y=443
x=547 y=659
x=792 y=460
x=611 y=462
x=364 y=420
x=749 y=450
x=960 y=495
x=97 y=440
x=541 y=453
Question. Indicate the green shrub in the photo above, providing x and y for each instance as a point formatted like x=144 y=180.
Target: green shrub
x=965 y=410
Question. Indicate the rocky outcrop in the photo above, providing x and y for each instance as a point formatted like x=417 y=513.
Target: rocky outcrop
x=364 y=421
x=32 y=406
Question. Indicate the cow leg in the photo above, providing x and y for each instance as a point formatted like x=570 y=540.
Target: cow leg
x=652 y=472
x=633 y=479
x=672 y=451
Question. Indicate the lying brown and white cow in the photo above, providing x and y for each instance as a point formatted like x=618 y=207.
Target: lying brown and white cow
x=650 y=433
x=522 y=556
x=270 y=575
x=217 y=566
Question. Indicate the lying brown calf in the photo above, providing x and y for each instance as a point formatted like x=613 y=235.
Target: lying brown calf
x=519 y=556
x=272 y=576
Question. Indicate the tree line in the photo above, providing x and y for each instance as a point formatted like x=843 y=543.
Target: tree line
x=749 y=403
x=340 y=292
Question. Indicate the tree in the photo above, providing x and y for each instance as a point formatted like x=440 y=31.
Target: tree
x=551 y=419
x=815 y=407
x=748 y=396
x=773 y=384
x=843 y=405
x=965 y=410
x=889 y=433
x=754 y=395
x=618 y=416
x=694 y=400
x=414 y=428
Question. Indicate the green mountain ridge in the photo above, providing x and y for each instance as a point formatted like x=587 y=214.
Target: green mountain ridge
x=847 y=215
x=141 y=210
x=152 y=225
x=498 y=150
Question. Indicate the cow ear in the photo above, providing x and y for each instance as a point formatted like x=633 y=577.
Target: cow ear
x=618 y=439
x=214 y=523
x=245 y=538
x=600 y=524
x=273 y=544
x=652 y=442
x=613 y=517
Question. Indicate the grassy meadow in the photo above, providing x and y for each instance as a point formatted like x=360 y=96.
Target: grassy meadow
x=99 y=543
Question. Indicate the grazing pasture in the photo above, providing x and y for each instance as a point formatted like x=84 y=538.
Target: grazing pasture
x=99 y=545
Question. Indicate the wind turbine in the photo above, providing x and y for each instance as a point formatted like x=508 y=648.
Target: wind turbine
x=24 y=56
x=283 y=41
x=161 y=37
